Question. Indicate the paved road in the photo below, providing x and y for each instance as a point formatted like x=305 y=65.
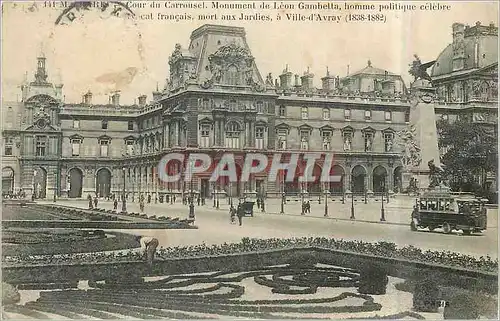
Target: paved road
x=214 y=228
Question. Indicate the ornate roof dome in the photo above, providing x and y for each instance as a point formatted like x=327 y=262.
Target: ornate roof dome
x=472 y=48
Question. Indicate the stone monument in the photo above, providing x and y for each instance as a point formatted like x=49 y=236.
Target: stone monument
x=419 y=141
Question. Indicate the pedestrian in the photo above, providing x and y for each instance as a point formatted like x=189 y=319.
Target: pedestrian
x=258 y=202
x=148 y=248
x=89 y=198
x=262 y=206
x=240 y=213
x=141 y=205
x=96 y=201
x=308 y=207
x=149 y=198
x=199 y=200
x=115 y=204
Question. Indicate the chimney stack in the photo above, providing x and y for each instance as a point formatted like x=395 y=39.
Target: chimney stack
x=286 y=79
x=328 y=82
x=142 y=100
x=297 y=81
x=87 y=98
x=115 y=99
x=307 y=80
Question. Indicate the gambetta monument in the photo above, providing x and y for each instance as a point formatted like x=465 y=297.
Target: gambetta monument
x=419 y=142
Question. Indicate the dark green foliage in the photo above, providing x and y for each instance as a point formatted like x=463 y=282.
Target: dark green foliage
x=461 y=306
x=10 y=295
x=373 y=280
x=425 y=295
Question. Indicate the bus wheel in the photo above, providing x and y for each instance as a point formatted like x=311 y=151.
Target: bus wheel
x=466 y=232
x=413 y=225
x=446 y=228
x=431 y=228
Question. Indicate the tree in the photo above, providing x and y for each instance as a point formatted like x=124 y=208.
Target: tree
x=470 y=153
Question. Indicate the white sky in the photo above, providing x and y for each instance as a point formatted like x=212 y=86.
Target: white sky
x=79 y=53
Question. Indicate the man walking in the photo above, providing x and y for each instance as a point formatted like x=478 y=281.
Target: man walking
x=148 y=248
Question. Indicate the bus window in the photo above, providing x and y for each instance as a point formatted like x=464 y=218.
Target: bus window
x=423 y=205
x=440 y=205
x=447 y=205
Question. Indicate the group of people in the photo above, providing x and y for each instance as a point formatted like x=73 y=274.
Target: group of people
x=306 y=207
x=11 y=195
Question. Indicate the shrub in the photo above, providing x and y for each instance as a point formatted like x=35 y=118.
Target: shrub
x=303 y=261
x=425 y=295
x=373 y=280
x=461 y=306
x=10 y=295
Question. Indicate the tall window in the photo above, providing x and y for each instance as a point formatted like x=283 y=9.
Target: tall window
x=388 y=141
x=304 y=140
x=282 y=111
x=76 y=124
x=326 y=113
x=104 y=145
x=260 y=107
x=327 y=139
x=388 y=115
x=75 y=146
x=104 y=124
x=41 y=145
x=259 y=137
x=205 y=135
x=205 y=104
x=347 y=114
x=233 y=105
x=407 y=116
x=347 y=140
x=282 y=138
x=232 y=75
x=305 y=113
x=130 y=125
x=368 y=114
x=233 y=135
x=8 y=146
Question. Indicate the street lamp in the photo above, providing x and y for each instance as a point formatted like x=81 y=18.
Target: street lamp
x=382 y=211
x=124 y=201
x=302 y=199
x=191 y=202
x=326 y=200
x=283 y=195
x=352 y=200
x=217 y=197
x=213 y=195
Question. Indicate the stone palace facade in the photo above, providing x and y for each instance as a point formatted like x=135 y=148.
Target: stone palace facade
x=215 y=101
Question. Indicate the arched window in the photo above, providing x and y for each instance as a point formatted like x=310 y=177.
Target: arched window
x=232 y=75
x=233 y=133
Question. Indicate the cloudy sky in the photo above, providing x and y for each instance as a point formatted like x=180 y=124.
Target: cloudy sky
x=97 y=45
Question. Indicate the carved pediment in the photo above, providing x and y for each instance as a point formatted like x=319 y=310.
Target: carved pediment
x=326 y=128
x=76 y=136
x=348 y=129
x=205 y=120
x=305 y=127
x=368 y=130
x=129 y=138
x=282 y=126
x=231 y=53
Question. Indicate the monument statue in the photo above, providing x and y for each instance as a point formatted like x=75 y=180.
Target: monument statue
x=419 y=70
x=411 y=150
x=435 y=175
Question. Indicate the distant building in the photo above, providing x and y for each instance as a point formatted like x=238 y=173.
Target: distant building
x=215 y=100
x=466 y=76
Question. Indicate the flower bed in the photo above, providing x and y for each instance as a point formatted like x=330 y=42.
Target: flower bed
x=47 y=245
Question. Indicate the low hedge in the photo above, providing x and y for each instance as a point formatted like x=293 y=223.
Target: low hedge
x=461 y=306
x=426 y=295
x=381 y=249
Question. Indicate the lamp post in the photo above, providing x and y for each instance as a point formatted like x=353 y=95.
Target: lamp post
x=382 y=211
x=353 y=217
x=283 y=194
x=124 y=201
x=191 y=198
x=217 y=198
x=213 y=193
x=326 y=200
x=302 y=199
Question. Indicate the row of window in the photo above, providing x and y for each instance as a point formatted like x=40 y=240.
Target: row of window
x=282 y=112
x=347 y=138
x=232 y=105
x=104 y=124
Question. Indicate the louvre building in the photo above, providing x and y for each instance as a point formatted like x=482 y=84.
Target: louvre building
x=216 y=100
